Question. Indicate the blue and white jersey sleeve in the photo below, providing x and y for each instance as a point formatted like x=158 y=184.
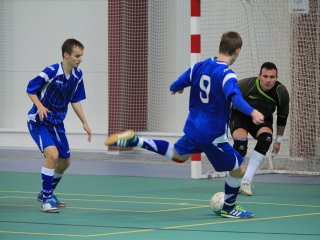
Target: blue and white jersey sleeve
x=229 y=84
x=184 y=80
x=233 y=93
x=35 y=85
x=79 y=93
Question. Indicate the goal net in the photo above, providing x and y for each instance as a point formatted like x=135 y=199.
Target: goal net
x=149 y=47
x=273 y=31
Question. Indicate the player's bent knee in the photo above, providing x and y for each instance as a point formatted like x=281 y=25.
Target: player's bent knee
x=52 y=156
x=51 y=153
x=264 y=143
x=235 y=173
x=241 y=146
x=239 y=172
x=179 y=160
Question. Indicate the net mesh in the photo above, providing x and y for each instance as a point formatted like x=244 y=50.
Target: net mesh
x=272 y=32
x=146 y=52
x=152 y=49
x=305 y=106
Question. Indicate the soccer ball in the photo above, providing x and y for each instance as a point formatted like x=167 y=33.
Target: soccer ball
x=217 y=202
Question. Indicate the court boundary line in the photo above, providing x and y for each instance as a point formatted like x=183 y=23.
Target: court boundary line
x=159 y=198
x=179 y=227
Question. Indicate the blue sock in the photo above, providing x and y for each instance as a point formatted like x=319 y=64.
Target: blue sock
x=158 y=146
x=47 y=182
x=231 y=190
x=56 y=179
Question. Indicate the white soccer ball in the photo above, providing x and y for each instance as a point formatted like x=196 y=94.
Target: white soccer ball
x=216 y=202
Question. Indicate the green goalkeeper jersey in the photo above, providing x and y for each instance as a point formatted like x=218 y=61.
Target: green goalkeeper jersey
x=265 y=101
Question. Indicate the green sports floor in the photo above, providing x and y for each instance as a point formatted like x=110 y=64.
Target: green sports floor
x=151 y=208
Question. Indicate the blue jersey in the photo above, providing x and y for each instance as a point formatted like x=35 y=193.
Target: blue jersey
x=56 y=91
x=212 y=86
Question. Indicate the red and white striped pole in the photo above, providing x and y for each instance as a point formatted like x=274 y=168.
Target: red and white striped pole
x=196 y=168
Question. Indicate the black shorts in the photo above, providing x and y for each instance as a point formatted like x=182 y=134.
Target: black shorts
x=240 y=120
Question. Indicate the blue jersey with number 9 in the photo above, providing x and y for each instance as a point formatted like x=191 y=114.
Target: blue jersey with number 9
x=212 y=86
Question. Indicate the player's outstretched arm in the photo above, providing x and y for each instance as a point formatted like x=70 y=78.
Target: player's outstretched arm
x=241 y=104
x=181 y=83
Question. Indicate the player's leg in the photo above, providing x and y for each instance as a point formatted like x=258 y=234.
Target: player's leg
x=43 y=139
x=239 y=131
x=224 y=158
x=240 y=141
x=162 y=147
x=47 y=175
x=239 y=126
x=62 y=165
x=264 y=141
x=63 y=162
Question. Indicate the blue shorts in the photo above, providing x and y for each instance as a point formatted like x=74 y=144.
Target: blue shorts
x=46 y=136
x=222 y=156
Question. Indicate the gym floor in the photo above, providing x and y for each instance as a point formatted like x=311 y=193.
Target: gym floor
x=122 y=200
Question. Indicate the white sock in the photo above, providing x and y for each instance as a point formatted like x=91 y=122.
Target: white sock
x=170 y=151
x=254 y=163
x=140 y=142
x=47 y=171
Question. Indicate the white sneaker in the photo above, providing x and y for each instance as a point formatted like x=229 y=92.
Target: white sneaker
x=49 y=206
x=246 y=188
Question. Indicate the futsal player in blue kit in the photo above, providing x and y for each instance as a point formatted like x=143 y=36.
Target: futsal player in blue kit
x=51 y=92
x=213 y=90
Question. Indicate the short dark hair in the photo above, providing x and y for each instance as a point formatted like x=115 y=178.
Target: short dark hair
x=69 y=44
x=268 y=66
x=229 y=43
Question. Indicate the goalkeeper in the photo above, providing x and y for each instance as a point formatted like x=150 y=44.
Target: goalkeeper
x=266 y=94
